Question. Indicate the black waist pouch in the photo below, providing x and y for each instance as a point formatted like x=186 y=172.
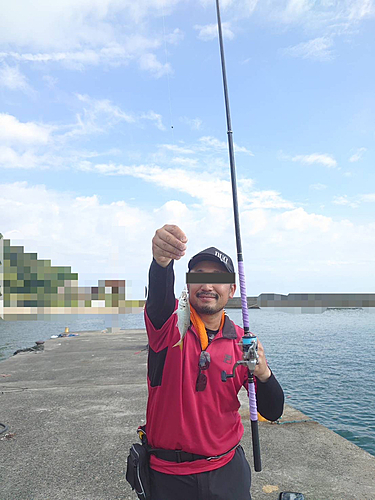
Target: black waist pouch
x=138 y=471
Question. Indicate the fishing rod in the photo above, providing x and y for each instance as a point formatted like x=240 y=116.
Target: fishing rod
x=249 y=341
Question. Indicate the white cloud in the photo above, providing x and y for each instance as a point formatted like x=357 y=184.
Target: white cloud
x=211 y=192
x=154 y=117
x=318 y=186
x=210 y=31
x=360 y=9
x=295 y=10
x=12 y=78
x=13 y=131
x=97 y=238
x=344 y=200
x=177 y=149
x=185 y=162
x=340 y=200
x=246 y=184
x=301 y=221
x=23 y=145
x=318 y=48
x=355 y=201
x=268 y=199
x=82 y=33
x=173 y=209
x=193 y=123
x=311 y=14
x=150 y=63
x=99 y=115
x=322 y=159
x=324 y=21
x=134 y=47
x=76 y=60
x=50 y=81
x=208 y=142
x=10 y=158
x=28 y=145
x=254 y=222
x=175 y=37
x=75 y=23
x=319 y=14
x=285 y=251
x=96 y=117
x=105 y=106
x=358 y=155
x=77 y=26
x=239 y=8
x=368 y=198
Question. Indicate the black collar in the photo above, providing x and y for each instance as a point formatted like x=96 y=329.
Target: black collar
x=229 y=330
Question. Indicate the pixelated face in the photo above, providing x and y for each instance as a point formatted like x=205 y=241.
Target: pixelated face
x=210 y=298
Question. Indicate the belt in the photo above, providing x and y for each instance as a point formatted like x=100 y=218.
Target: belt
x=183 y=456
x=177 y=455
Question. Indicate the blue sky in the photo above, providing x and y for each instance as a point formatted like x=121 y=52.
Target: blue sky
x=112 y=123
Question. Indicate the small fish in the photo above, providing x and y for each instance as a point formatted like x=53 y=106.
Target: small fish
x=183 y=316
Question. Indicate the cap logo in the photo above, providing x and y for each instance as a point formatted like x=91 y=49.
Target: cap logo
x=222 y=257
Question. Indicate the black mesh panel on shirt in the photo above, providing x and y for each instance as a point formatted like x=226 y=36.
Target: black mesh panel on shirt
x=155 y=366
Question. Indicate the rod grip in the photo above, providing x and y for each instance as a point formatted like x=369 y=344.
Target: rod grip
x=256 y=446
x=244 y=306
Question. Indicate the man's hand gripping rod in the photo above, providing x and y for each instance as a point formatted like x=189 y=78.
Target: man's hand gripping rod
x=250 y=356
x=250 y=359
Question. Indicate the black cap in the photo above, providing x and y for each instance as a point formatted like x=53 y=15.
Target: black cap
x=214 y=255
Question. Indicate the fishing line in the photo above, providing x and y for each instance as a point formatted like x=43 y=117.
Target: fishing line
x=167 y=64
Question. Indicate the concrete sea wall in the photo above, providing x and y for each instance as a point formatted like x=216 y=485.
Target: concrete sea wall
x=73 y=409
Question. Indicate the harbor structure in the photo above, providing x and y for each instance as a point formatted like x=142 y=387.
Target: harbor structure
x=56 y=400
x=31 y=287
x=307 y=302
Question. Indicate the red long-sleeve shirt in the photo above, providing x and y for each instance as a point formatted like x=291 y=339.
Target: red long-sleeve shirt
x=179 y=417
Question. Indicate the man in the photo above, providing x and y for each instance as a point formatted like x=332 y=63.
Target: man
x=192 y=416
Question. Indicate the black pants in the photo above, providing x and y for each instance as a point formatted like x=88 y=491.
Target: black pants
x=230 y=482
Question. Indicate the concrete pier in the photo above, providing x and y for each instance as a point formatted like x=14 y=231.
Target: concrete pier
x=73 y=409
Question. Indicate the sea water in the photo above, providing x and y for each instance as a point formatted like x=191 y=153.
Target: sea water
x=324 y=362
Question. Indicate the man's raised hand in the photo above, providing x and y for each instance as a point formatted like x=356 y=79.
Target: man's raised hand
x=168 y=243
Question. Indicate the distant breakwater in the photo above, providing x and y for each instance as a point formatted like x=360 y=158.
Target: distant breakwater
x=301 y=301
x=308 y=300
